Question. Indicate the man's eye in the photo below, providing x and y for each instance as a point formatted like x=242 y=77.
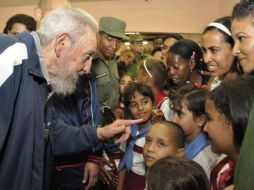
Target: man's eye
x=86 y=57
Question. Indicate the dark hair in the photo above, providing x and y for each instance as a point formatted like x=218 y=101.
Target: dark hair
x=157 y=69
x=225 y=21
x=27 y=20
x=195 y=98
x=176 y=36
x=173 y=173
x=179 y=135
x=135 y=87
x=234 y=98
x=185 y=49
x=243 y=9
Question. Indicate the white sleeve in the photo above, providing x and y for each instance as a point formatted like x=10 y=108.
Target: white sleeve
x=11 y=57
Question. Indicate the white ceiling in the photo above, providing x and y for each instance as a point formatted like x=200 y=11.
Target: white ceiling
x=8 y=3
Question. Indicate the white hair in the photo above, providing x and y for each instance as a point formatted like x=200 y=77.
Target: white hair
x=72 y=21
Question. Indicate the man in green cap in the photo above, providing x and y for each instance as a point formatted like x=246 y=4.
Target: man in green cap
x=104 y=67
x=136 y=45
x=111 y=34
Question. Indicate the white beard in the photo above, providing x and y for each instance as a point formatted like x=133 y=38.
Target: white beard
x=64 y=86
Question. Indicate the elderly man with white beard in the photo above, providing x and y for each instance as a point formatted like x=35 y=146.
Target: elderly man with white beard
x=30 y=64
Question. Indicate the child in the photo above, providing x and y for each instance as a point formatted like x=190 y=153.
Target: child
x=138 y=101
x=164 y=138
x=173 y=173
x=125 y=78
x=228 y=108
x=153 y=73
x=189 y=113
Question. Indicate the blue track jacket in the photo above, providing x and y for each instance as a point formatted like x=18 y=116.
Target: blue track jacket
x=23 y=96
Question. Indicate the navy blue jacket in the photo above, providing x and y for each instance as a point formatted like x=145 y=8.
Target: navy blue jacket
x=23 y=95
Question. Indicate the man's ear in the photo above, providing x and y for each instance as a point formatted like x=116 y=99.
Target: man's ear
x=62 y=42
x=38 y=14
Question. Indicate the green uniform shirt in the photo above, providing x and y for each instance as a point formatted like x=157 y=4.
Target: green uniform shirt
x=107 y=81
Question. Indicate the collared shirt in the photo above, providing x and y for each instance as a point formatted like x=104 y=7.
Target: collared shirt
x=107 y=81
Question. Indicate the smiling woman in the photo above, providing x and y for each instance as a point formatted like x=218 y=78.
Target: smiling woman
x=217 y=44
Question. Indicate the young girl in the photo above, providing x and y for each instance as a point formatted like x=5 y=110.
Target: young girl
x=174 y=173
x=153 y=73
x=189 y=113
x=164 y=138
x=125 y=78
x=138 y=100
x=217 y=44
x=228 y=108
x=111 y=153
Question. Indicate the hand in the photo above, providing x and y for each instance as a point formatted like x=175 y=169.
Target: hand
x=91 y=173
x=107 y=175
x=157 y=115
x=118 y=127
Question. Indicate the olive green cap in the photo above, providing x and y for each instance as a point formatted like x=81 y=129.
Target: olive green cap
x=113 y=26
x=136 y=37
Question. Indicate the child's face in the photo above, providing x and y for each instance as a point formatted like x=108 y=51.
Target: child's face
x=141 y=106
x=123 y=82
x=160 y=143
x=187 y=121
x=219 y=130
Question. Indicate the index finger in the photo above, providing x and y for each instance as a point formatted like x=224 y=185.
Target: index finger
x=131 y=122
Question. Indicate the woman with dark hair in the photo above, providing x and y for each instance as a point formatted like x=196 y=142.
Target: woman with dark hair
x=217 y=44
x=173 y=173
x=20 y=23
x=228 y=108
x=243 y=34
x=170 y=39
x=183 y=62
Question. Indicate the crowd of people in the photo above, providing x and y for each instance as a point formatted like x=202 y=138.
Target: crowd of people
x=81 y=110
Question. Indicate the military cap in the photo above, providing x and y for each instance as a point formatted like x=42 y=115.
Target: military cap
x=136 y=37
x=113 y=27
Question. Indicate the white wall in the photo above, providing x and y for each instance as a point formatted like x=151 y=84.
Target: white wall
x=184 y=16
